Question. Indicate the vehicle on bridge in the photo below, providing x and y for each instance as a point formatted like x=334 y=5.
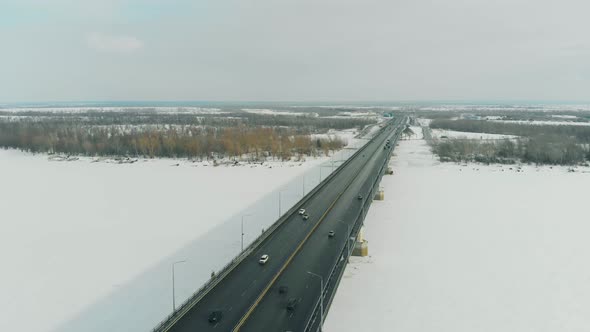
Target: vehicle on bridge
x=292 y=304
x=283 y=290
x=305 y=216
x=215 y=316
x=301 y=211
x=263 y=259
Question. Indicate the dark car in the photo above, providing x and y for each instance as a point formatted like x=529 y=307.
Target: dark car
x=283 y=289
x=291 y=304
x=215 y=316
x=359 y=197
x=331 y=234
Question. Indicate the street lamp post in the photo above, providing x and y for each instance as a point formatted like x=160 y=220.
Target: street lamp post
x=280 y=203
x=246 y=215
x=303 y=186
x=280 y=199
x=321 y=298
x=173 y=286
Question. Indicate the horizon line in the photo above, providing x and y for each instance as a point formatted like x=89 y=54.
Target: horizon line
x=74 y=103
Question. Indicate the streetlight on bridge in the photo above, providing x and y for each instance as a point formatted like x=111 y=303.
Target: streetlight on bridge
x=246 y=215
x=173 y=287
x=321 y=298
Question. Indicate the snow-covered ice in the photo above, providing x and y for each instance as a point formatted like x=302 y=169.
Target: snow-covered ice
x=463 y=248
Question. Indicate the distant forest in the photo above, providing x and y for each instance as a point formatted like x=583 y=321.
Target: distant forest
x=149 y=117
x=255 y=137
x=540 y=144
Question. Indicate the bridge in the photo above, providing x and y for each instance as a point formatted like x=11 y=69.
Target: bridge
x=294 y=289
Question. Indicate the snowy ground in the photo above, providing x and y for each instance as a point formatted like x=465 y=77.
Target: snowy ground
x=471 y=248
x=84 y=109
x=347 y=135
x=439 y=133
x=556 y=108
x=265 y=111
x=424 y=122
x=545 y=123
x=88 y=246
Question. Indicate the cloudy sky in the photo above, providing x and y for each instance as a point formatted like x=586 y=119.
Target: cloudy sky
x=294 y=50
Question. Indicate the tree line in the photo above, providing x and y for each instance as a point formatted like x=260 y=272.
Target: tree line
x=539 y=144
x=203 y=142
x=305 y=122
x=556 y=132
x=507 y=151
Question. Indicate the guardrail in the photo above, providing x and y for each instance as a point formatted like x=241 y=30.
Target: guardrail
x=337 y=270
x=171 y=319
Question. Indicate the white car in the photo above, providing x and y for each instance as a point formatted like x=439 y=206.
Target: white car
x=301 y=211
x=263 y=259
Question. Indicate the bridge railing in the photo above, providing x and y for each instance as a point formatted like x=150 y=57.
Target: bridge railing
x=181 y=310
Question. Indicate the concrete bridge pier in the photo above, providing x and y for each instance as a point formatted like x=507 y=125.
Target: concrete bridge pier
x=361 y=246
x=379 y=195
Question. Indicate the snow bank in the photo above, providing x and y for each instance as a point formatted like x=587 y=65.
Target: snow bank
x=470 y=248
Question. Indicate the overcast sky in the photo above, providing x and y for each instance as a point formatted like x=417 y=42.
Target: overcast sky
x=294 y=50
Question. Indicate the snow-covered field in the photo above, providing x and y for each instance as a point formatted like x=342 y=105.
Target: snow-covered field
x=424 y=122
x=471 y=248
x=84 y=109
x=545 y=123
x=88 y=246
x=347 y=136
x=505 y=107
x=264 y=111
x=440 y=133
